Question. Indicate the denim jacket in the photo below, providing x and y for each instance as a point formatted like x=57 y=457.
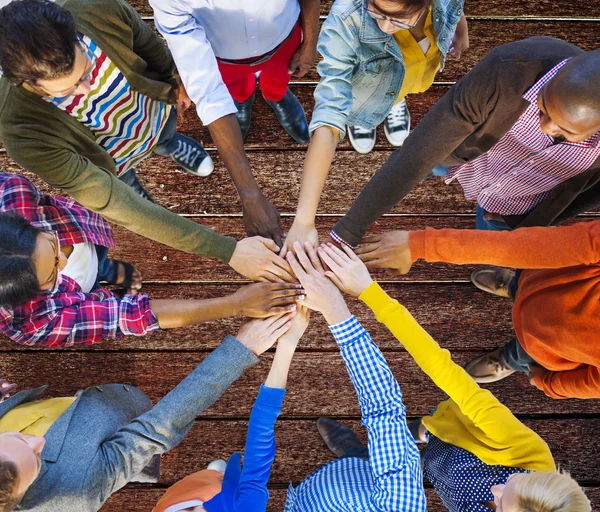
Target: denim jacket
x=362 y=68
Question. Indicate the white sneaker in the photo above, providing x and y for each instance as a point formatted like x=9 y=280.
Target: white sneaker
x=362 y=139
x=397 y=124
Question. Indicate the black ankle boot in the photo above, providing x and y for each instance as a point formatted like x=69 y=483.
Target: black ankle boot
x=291 y=116
x=341 y=440
x=244 y=114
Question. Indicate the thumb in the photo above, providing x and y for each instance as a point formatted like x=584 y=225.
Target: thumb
x=269 y=244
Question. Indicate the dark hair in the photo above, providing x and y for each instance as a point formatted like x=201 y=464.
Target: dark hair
x=37 y=41
x=405 y=7
x=18 y=278
x=9 y=481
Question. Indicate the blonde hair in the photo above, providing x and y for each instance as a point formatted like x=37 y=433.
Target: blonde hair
x=550 y=492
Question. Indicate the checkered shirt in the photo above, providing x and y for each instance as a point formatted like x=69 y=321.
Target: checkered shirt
x=521 y=169
x=391 y=480
x=68 y=317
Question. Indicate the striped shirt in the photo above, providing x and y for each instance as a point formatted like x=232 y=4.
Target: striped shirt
x=521 y=169
x=392 y=479
x=126 y=123
x=461 y=480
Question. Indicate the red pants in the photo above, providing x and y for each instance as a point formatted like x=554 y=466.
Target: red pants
x=274 y=76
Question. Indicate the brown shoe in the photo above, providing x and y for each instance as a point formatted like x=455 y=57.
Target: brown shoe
x=493 y=280
x=339 y=438
x=489 y=367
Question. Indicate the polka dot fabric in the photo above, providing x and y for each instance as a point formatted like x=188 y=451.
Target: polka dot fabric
x=462 y=481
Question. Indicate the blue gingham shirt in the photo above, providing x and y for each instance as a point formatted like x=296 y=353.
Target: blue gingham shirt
x=392 y=479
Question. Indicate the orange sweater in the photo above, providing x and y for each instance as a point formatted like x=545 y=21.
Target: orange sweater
x=203 y=485
x=557 y=308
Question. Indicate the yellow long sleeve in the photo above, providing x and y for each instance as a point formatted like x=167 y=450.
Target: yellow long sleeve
x=473 y=418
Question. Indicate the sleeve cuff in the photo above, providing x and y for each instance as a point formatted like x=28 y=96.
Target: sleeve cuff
x=416 y=241
x=346 y=331
x=344 y=235
x=270 y=397
x=374 y=297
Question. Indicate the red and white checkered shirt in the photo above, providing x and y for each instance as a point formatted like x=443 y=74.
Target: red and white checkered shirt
x=521 y=169
x=68 y=317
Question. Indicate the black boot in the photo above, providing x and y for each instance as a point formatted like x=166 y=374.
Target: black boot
x=244 y=114
x=130 y=178
x=341 y=440
x=291 y=116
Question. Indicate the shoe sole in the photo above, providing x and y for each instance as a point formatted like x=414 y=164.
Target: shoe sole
x=361 y=151
x=389 y=137
x=206 y=172
x=484 y=288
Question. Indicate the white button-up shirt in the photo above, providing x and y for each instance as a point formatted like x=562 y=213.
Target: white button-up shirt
x=197 y=31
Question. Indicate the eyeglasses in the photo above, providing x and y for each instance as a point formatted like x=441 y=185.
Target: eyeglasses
x=397 y=23
x=63 y=95
x=54 y=276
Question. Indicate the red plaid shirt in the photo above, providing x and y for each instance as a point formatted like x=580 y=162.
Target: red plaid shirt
x=68 y=317
x=521 y=169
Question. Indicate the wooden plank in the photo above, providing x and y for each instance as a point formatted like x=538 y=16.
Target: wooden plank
x=511 y=8
x=136 y=497
x=483 y=321
x=159 y=262
x=318 y=383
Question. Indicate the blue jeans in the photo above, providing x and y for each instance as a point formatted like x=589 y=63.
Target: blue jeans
x=489 y=225
x=166 y=143
x=105 y=271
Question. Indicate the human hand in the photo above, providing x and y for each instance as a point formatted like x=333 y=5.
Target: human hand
x=261 y=300
x=256 y=258
x=182 y=100
x=388 y=250
x=535 y=370
x=260 y=335
x=303 y=59
x=346 y=270
x=321 y=294
x=299 y=232
x=298 y=327
x=460 y=39
x=262 y=218
x=6 y=388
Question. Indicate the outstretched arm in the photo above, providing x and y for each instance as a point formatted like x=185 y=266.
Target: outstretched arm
x=563 y=246
x=259 y=452
x=393 y=456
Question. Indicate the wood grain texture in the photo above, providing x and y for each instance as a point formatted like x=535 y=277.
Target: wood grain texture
x=483 y=321
x=318 y=382
x=510 y=8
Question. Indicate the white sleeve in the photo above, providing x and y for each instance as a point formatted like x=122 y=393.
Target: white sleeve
x=195 y=59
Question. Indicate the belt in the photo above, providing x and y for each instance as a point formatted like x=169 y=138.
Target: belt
x=254 y=61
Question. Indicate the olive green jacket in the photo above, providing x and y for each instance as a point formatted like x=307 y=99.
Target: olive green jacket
x=55 y=146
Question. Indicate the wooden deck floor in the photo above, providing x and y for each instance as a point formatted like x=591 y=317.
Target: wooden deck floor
x=461 y=318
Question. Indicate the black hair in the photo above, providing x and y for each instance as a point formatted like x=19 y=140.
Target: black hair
x=37 y=41
x=18 y=279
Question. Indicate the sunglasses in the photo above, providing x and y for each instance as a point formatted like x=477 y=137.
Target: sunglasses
x=397 y=23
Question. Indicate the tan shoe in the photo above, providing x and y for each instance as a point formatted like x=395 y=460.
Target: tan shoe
x=494 y=280
x=489 y=367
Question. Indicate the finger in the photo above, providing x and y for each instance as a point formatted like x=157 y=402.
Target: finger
x=370 y=256
x=371 y=239
x=334 y=279
x=334 y=254
x=286 y=301
x=281 y=310
x=366 y=248
x=351 y=254
x=328 y=260
x=341 y=254
x=303 y=258
x=281 y=269
x=277 y=238
x=268 y=243
x=377 y=263
x=291 y=294
x=314 y=258
x=282 y=330
x=296 y=267
x=280 y=287
x=278 y=321
x=284 y=249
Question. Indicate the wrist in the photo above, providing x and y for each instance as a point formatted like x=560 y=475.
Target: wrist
x=337 y=313
x=304 y=220
x=251 y=195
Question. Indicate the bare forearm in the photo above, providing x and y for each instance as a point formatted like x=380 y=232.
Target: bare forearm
x=227 y=136
x=280 y=367
x=181 y=313
x=316 y=167
x=309 y=18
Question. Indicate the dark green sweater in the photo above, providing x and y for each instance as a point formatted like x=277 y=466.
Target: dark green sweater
x=55 y=146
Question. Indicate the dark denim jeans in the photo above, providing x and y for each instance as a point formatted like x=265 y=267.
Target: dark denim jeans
x=489 y=225
x=166 y=144
x=105 y=271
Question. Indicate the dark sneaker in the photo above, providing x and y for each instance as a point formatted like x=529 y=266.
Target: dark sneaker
x=494 y=280
x=340 y=439
x=362 y=139
x=244 y=114
x=291 y=116
x=489 y=368
x=191 y=156
x=130 y=178
x=397 y=124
